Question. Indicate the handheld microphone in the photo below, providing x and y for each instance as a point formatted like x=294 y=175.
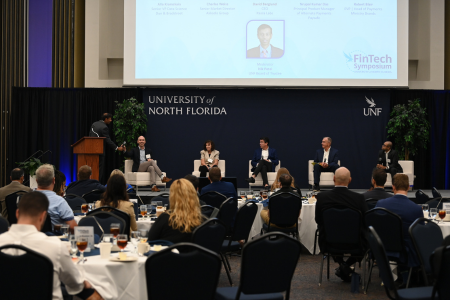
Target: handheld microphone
x=325 y=160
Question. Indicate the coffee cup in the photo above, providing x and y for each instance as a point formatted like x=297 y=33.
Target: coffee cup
x=105 y=250
x=143 y=248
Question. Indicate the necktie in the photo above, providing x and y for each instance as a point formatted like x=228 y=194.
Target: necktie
x=264 y=52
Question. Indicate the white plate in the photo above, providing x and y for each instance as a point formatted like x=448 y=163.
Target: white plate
x=129 y=258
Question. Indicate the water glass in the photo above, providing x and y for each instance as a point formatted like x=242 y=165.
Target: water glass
x=143 y=209
x=108 y=238
x=73 y=246
x=249 y=195
x=264 y=195
x=65 y=230
x=243 y=195
x=433 y=212
x=135 y=239
x=91 y=206
x=143 y=237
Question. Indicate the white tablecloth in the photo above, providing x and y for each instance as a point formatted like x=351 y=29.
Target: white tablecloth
x=116 y=280
x=445 y=227
x=306 y=224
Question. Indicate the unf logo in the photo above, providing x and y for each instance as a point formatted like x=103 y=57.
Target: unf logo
x=372 y=110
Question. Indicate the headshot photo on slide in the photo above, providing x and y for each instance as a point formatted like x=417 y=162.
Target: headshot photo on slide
x=265 y=39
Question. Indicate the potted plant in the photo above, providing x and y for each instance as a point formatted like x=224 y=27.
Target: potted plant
x=130 y=121
x=30 y=167
x=409 y=128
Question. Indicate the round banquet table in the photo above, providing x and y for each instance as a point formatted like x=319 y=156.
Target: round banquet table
x=306 y=224
x=445 y=227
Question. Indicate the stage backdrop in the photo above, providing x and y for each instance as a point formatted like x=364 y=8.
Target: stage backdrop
x=180 y=121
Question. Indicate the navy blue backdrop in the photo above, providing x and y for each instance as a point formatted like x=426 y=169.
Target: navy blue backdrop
x=294 y=120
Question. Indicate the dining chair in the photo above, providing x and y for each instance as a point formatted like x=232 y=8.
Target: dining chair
x=227 y=213
x=92 y=196
x=371 y=203
x=119 y=213
x=4 y=225
x=11 y=203
x=213 y=198
x=75 y=202
x=440 y=262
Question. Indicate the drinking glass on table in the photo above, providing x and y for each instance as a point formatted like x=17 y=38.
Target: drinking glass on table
x=91 y=206
x=143 y=236
x=256 y=195
x=82 y=243
x=73 y=246
x=84 y=208
x=425 y=208
x=65 y=230
x=108 y=238
x=57 y=227
x=135 y=239
x=115 y=230
x=442 y=214
x=433 y=213
x=143 y=209
x=264 y=195
x=249 y=195
x=122 y=241
x=243 y=195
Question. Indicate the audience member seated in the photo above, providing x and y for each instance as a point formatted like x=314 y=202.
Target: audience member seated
x=60 y=183
x=177 y=224
x=118 y=172
x=339 y=197
x=84 y=184
x=276 y=184
x=16 y=185
x=225 y=188
x=116 y=196
x=378 y=180
x=31 y=215
x=195 y=182
x=59 y=210
x=401 y=205
x=286 y=182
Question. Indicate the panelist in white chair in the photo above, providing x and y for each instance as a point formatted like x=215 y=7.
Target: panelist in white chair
x=209 y=158
x=388 y=159
x=326 y=160
x=143 y=162
x=264 y=160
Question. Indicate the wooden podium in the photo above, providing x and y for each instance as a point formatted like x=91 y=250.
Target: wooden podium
x=88 y=150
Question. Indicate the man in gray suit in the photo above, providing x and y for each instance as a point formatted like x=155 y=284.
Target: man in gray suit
x=265 y=49
x=100 y=129
x=17 y=177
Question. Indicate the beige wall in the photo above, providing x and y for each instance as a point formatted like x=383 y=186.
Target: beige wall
x=104 y=43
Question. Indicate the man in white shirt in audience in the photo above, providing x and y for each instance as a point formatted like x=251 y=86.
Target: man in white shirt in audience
x=31 y=215
x=59 y=210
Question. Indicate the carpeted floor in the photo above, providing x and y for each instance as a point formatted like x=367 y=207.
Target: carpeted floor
x=306 y=279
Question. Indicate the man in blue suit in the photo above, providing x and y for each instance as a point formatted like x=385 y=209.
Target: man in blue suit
x=401 y=205
x=264 y=160
x=326 y=160
x=225 y=188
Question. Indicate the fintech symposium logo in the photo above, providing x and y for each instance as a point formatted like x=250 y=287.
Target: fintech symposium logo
x=360 y=62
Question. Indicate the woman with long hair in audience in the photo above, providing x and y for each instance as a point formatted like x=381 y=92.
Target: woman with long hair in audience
x=177 y=224
x=116 y=196
x=60 y=183
x=276 y=183
x=118 y=172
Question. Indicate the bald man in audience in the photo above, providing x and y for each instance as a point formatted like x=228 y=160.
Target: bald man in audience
x=339 y=197
x=388 y=160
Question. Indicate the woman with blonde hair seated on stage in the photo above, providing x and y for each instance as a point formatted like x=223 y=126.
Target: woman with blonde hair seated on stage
x=276 y=183
x=177 y=224
x=116 y=196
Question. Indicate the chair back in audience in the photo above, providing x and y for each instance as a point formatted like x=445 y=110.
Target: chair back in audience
x=164 y=198
x=433 y=203
x=421 y=197
x=213 y=198
x=227 y=213
x=371 y=203
x=244 y=222
x=284 y=209
x=207 y=210
x=440 y=262
x=342 y=230
x=11 y=202
x=75 y=202
x=426 y=237
x=47 y=227
x=93 y=196
x=34 y=283
x=210 y=235
x=435 y=193
x=4 y=225
x=105 y=218
x=388 y=226
x=193 y=272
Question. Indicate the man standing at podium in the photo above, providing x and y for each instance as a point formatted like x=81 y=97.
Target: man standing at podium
x=100 y=129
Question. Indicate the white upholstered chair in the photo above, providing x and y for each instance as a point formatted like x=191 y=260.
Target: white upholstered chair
x=139 y=178
x=326 y=178
x=408 y=169
x=271 y=176
x=198 y=162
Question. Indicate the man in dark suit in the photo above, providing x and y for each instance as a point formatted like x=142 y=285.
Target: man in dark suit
x=265 y=49
x=143 y=162
x=84 y=184
x=225 y=188
x=100 y=129
x=388 y=159
x=378 y=180
x=401 y=205
x=264 y=160
x=326 y=160
x=285 y=181
x=340 y=196
x=17 y=177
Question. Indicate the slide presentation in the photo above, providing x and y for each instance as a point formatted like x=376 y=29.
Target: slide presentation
x=240 y=39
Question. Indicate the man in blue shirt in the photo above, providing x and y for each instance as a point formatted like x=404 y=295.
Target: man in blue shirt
x=59 y=210
x=225 y=188
x=408 y=211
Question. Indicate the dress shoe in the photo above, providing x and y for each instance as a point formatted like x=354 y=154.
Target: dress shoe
x=165 y=179
x=251 y=180
x=344 y=272
x=155 y=189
